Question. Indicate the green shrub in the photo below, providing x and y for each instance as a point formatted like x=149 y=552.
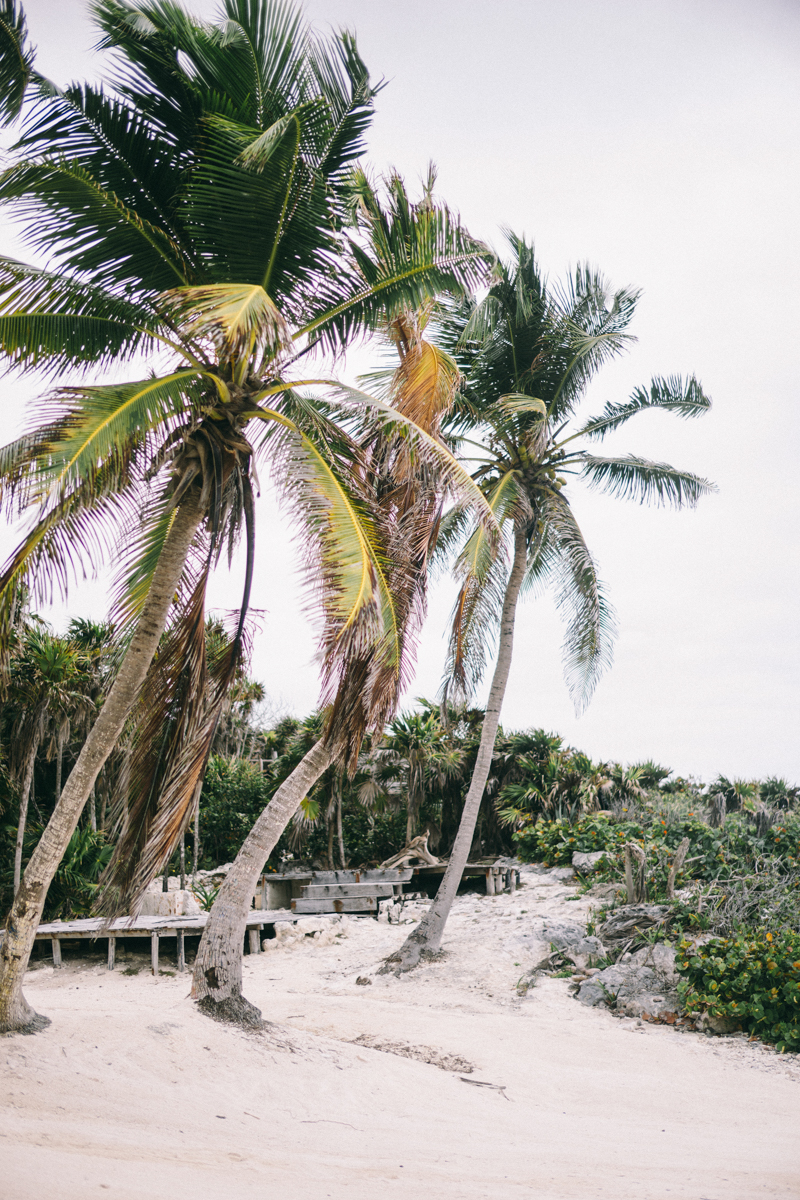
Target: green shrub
x=752 y=979
x=554 y=842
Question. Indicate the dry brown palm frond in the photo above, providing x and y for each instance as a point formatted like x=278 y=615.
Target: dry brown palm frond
x=363 y=688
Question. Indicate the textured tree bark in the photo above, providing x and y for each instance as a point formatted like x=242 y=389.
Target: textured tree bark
x=24 y=798
x=339 y=830
x=635 y=887
x=217 y=979
x=677 y=864
x=26 y=910
x=59 y=766
x=196 y=829
x=426 y=938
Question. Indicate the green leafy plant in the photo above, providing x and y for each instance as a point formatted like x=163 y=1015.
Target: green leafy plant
x=753 y=980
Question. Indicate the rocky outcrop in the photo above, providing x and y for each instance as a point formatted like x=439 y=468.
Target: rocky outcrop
x=627 y=922
x=571 y=941
x=588 y=861
x=639 y=985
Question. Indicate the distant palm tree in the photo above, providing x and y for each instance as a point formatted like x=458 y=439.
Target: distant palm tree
x=415 y=753
x=47 y=686
x=527 y=353
x=203 y=212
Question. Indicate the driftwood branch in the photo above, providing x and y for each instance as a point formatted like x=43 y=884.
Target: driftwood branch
x=636 y=887
x=677 y=863
x=416 y=848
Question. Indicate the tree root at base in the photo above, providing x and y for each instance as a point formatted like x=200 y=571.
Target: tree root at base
x=408 y=958
x=36 y=1024
x=233 y=1010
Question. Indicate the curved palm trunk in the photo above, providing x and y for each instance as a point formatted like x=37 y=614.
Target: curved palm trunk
x=59 y=766
x=217 y=979
x=426 y=939
x=24 y=798
x=26 y=911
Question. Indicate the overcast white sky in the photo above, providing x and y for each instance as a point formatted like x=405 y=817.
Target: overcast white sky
x=657 y=139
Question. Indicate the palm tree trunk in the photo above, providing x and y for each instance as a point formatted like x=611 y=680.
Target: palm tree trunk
x=330 y=816
x=24 y=797
x=59 y=766
x=92 y=812
x=217 y=979
x=339 y=831
x=426 y=938
x=196 y=828
x=26 y=910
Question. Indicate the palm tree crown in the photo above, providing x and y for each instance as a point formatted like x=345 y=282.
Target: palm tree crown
x=528 y=354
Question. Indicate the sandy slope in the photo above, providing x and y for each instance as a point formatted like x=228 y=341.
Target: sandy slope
x=130 y=1093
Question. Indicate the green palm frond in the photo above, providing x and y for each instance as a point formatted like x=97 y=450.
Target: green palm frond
x=580 y=598
x=114 y=142
x=673 y=394
x=52 y=322
x=453 y=477
x=67 y=212
x=107 y=424
x=16 y=59
x=516 y=403
x=482 y=567
x=75 y=538
x=474 y=628
x=404 y=255
x=241 y=320
x=345 y=558
x=591 y=325
x=143 y=541
x=634 y=478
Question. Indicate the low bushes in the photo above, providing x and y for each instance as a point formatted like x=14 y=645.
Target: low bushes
x=736 y=884
x=751 y=980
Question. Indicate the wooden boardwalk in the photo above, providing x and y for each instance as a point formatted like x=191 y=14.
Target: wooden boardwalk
x=155 y=928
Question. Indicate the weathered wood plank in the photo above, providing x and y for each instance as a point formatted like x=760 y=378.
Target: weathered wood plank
x=255 y=945
x=56 y=952
x=112 y=951
x=355 y=904
x=180 y=951
x=154 y=952
x=324 y=891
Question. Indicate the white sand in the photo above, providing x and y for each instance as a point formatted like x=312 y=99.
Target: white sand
x=132 y=1094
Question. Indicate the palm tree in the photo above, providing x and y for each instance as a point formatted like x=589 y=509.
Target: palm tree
x=364 y=692
x=414 y=752
x=527 y=354
x=47 y=686
x=200 y=212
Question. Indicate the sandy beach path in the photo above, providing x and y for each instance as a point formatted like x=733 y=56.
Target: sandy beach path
x=131 y=1093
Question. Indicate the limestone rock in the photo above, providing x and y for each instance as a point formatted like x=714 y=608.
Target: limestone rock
x=572 y=940
x=624 y=922
x=644 y=984
x=179 y=903
x=634 y=991
x=587 y=862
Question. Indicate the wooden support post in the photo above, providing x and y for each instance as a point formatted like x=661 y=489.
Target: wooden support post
x=252 y=935
x=154 y=952
x=511 y=880
x=489 y=882
x=56 y=944
x=112 y=950
x=180 y=950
